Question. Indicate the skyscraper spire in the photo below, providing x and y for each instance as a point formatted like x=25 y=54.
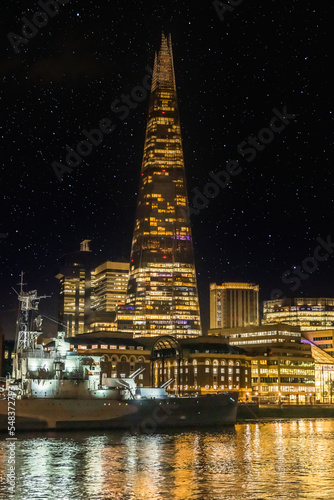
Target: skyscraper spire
x=162 y=293
x=163 y=71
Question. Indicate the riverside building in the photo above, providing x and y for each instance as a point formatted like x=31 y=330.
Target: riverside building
x=323 y=339
x=283 y=369
x=324 y=366
x=188 y=366
x=162 y=291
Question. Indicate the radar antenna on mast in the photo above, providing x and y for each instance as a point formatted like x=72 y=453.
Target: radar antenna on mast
x=29 y=301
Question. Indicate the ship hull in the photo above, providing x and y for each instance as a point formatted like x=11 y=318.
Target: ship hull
x=142 y=415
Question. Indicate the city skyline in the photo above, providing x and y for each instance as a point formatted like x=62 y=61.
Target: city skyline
x=239 y=102
x=231 y=74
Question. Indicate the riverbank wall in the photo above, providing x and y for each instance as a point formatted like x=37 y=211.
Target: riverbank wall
x=251 y=411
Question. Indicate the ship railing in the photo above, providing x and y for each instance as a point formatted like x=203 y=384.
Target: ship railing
x=34 y=353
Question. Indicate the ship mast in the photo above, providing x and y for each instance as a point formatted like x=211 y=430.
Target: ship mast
x=25 y=338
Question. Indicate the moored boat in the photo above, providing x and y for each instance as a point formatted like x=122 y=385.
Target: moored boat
x=60 y=389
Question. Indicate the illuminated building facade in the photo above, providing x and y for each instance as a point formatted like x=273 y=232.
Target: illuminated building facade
x=323 y=339
x=74 y=277
x=208 y=364
x=110 y=281
x=109 y=284
x=283 y=368
x=233 y=305
x=162 y=292
x=192 y=365
x=200 y=365
x=120 y=353
x=308 y=313
x=324 y=372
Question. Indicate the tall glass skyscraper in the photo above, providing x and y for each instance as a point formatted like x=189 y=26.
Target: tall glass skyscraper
x=162 y=292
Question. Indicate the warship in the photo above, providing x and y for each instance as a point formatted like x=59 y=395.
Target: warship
x=60 y=389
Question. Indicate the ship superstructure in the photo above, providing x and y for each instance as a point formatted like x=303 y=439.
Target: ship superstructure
x=57 y=372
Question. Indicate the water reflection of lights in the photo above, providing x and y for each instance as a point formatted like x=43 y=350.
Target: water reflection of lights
x=46 y=465
x=93 y=464
x=283 y=459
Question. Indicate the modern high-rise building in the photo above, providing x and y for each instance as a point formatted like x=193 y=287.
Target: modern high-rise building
x=109 y=285
x=308 y=313
x=162 y=294
x=110 y=281
x=88 y=296
x=74 y=275
x=233 y=305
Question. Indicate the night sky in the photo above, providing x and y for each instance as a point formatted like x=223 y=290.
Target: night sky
x=230 y=74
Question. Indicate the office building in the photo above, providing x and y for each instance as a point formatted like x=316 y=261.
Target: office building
x=308 y=313
x=283 y=368
x=74 y=275
x=110 y=281
x=234 y=305
x=162 y=293
x=322 y=338
x=324 y=371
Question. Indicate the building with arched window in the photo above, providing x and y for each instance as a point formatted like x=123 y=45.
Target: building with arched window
x=200 y=365
x=280 y=371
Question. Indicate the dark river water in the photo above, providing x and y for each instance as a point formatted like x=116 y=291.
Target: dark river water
x=273 y=460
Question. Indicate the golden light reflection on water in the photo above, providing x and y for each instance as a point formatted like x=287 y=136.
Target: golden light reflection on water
x=276 y=460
